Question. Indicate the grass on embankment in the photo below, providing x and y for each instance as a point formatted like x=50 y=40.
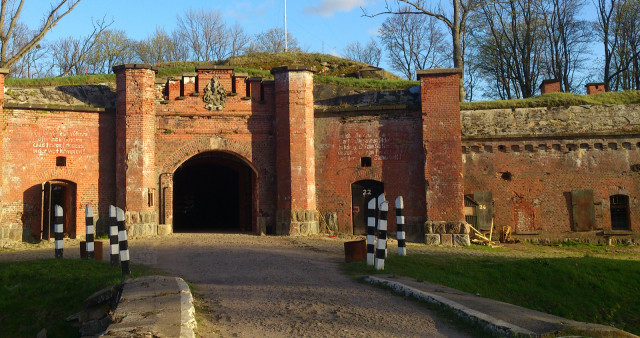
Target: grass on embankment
x=588 y=289
x=42 y=293
x=557 y=100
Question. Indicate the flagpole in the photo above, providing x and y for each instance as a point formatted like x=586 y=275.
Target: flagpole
x=286 y=42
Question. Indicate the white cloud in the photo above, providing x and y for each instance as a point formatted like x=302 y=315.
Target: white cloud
x=329 y=7
x=374 y=31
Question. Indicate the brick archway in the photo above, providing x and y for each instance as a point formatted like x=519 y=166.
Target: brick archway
x=226 y=154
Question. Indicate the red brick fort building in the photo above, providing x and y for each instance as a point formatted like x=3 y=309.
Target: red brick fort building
x=215 y=150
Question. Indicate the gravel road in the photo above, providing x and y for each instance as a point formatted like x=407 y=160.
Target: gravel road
x=257 y=286
x=251 y=286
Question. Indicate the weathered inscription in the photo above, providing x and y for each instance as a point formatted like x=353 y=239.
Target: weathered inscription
x=352 y=146
x=59 y=142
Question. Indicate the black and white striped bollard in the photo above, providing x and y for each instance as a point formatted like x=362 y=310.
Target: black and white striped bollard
x=58 y=230
x=402 y=244
x=382 y=236
x=88 y=216
x=113 y=236
x=371 y=231
x=124 y=245
x=381 y=199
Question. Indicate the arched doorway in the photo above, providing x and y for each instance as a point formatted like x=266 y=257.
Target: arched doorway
x=214 y=191
x=62 y=193
x=361 y=193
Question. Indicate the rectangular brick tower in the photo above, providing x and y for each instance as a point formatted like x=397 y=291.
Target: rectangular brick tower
x=295 y=154
x=442 y=141
x=135 y=143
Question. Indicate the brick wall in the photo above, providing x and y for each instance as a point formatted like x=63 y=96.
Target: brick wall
x=391 y=139
x=32 y=140
x=441 y=137
x=532 y=179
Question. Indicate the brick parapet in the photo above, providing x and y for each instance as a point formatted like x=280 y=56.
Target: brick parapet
x=441 y=138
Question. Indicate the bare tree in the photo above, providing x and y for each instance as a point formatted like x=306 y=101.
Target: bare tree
x=370 y=53
x=31 y=64
x=272 y=41
x=159 y=47
x=567 y=40
x=206 y=34
x=70 y=54
x=9 y=14
x=626 y=57
x=413 y=42
x=112 y=47
x=510 y=37
x=238 y=40
x=456 y=22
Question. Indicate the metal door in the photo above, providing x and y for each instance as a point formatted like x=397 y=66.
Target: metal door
x=583 y=211
x=361 y=193
x=484 y=210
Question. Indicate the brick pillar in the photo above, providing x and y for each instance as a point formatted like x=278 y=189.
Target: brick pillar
x=135 y=142
x=295 y=154
x=240 y=84
x=3 y=74
x=442 y=141
x=188 y=83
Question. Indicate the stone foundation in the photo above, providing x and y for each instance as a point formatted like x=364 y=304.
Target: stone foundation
x=447 y=233
x=297 y=222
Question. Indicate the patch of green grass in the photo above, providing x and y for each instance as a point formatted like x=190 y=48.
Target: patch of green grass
x=557 y=100
x=42 y=293
x=60 y=81
x=588 y=289
x=365 y=83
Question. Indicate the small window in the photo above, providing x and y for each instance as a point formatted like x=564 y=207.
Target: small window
x=488 y=149
x=515 y=148
x=528 y=147
x=613 y=146
x=626 y=145
x=619 y=206
x=598 y=146
x=61 y=161
x=556 y=147
x=365 y=161
x=542 y=147
x=502 y=148
x=584 y=146
x=475 y=149
x=572 y=147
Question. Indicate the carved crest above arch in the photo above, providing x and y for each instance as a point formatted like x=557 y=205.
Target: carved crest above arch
x=215 y=96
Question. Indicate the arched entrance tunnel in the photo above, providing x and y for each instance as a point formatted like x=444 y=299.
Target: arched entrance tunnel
x=213 y=191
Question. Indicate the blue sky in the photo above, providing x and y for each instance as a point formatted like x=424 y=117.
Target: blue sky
x=321 y=25
x=334 y=23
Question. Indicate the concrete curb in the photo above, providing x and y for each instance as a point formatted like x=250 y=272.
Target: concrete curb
x=154 y=306
x=497 y=326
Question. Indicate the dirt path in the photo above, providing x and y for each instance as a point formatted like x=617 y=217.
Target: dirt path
x=252 y=286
